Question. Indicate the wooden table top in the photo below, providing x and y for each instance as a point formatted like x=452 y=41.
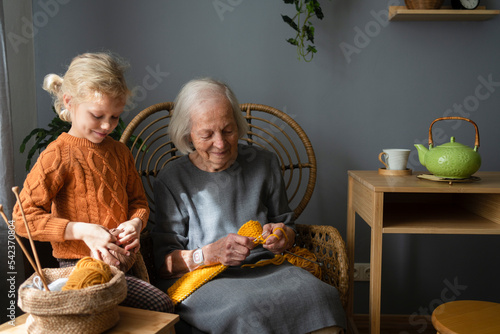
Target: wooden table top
x=132 y=320
x=489 y=183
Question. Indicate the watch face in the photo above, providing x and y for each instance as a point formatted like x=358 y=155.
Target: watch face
x=469 y=4
x=198 y=256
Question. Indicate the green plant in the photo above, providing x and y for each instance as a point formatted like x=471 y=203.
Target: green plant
x=301 y=23
x=43 y=137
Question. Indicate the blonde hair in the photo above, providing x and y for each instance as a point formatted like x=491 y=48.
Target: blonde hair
x=89 y=77
x=190 y=95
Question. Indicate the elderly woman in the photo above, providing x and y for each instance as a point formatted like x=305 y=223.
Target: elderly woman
x=203 y=198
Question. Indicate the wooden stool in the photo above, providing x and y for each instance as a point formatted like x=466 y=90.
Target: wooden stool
x=467 y=316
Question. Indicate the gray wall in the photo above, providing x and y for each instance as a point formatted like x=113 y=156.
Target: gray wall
x=373 y=84
x=20 y=63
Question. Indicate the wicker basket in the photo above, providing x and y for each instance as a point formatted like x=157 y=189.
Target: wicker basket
x=89 y=310
x=424 y=4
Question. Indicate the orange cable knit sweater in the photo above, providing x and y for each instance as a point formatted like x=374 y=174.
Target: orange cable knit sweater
x=80 y=181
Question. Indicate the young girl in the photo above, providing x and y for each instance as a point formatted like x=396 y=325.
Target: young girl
x=85 y=183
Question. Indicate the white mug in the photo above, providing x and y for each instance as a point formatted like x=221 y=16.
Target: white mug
x=395 y=158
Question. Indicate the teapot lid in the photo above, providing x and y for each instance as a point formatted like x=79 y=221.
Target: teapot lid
x=453 y=144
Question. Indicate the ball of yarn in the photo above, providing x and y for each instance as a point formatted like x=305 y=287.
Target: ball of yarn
x=88 y=272
x=126 y=261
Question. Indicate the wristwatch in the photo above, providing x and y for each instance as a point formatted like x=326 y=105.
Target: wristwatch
x=198 y=257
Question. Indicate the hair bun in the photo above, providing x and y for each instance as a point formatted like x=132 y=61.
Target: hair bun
x=52 y=83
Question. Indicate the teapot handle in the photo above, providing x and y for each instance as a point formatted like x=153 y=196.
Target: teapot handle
x=476 y=144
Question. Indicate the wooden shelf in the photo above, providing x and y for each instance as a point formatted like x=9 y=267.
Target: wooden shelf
x=436 y=219
x=402 y=13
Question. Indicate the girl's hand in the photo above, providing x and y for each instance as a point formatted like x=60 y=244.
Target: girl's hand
x=97 y=238
x=279 y=237
x=129 y=236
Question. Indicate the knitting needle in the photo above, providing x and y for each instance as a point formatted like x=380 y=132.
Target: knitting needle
x=15 y=190
x=304 y=258
x=25 y=251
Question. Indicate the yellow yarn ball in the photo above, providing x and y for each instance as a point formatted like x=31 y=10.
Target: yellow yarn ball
x=88 y=272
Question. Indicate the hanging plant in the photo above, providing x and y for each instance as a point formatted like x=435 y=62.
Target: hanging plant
x=43 y=137
x=301 y=23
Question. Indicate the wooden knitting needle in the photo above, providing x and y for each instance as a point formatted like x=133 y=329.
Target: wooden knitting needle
x=304 y=258
x=15 y=190
x=19 y=241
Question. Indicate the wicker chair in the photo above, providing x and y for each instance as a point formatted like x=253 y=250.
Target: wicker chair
x=271 y=129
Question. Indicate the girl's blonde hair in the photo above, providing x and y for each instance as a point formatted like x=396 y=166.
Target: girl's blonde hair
x=89 y=76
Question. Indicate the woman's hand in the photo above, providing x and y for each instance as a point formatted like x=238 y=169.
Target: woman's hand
x=231 y=250
x=277 y=242
x=97 y=238
x=129 y=236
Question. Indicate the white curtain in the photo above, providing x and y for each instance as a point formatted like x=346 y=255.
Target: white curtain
x=6 y=143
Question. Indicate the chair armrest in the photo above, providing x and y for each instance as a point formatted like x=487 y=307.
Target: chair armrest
x=329 y=247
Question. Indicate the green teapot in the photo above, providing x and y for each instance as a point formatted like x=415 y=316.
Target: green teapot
x=451 y=160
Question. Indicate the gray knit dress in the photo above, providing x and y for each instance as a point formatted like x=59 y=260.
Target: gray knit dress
x=195 y=208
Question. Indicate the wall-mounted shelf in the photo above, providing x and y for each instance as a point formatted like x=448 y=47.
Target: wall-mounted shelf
x=402 y=13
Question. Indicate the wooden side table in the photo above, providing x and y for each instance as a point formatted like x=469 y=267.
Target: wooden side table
x=383 y=202
x=467 y=316
x=132 y=320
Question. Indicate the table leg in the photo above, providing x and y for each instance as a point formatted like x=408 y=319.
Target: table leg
x=376 y=265
x=351 y=228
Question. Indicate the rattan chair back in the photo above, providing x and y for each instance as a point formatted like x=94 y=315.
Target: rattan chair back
x=270 y=128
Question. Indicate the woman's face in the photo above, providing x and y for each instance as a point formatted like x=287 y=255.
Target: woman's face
x=214 y=134
x=95 y=119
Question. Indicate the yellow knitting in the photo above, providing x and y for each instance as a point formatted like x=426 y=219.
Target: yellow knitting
x=193 y=280
x=298 y=261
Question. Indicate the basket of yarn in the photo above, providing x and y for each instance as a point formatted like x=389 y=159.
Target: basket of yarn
x=87 y=303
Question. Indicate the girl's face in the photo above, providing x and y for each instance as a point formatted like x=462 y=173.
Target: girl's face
x=94 y=119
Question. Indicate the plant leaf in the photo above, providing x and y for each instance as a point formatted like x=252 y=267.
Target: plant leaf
x=27 y=139
x=318 y=12
x=310 y=33
x=290 y=22
x=311 y=48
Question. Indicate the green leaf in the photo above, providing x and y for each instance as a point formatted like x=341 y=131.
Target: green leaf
x=292 y=41
x=298 y=6
x=290 y=22
x=310 y=33
x=27 y=139
x=318 y=12
x=38 y=144
x=289 y=1
x=311 y=48
x=310 y=7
